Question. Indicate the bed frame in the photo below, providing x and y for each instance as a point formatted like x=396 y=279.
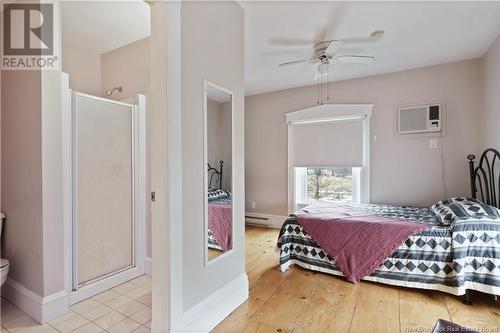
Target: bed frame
x=214 y=174
x=485 y=177
x=485 y=181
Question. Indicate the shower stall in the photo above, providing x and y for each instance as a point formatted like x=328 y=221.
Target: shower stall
x=108 y=193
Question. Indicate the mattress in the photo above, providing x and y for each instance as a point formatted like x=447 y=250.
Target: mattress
x=451 y=258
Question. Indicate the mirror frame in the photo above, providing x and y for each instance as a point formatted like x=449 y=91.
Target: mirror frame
x=206 y=85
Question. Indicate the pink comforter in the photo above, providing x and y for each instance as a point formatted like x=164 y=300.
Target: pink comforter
x=358 y=241
x=220 y=222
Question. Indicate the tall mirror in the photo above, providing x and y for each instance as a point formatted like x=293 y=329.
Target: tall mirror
x=218 y=178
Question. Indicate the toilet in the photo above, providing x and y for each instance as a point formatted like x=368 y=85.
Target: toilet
x=4 y=263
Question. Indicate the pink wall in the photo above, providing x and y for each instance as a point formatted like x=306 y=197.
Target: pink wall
x=83 y=67
x=403 y=170
x=21 y=190
x=219 y=139
x=201 y=29
x=491 y=75
x=127 y=66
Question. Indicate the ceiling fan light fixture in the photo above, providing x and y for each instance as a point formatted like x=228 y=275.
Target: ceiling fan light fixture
x=323 y=69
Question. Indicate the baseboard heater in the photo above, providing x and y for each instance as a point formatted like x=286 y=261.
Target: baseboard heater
x=259 y=220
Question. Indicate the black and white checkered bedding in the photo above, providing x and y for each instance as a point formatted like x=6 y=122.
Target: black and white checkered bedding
x=450 y=257
x=212 y=243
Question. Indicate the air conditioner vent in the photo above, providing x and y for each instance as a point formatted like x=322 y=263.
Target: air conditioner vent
x=423 y=118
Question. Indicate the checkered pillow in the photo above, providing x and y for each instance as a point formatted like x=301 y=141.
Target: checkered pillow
x=462 y=208
x=215 y=194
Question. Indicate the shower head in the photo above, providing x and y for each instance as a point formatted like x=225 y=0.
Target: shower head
x=111 y=91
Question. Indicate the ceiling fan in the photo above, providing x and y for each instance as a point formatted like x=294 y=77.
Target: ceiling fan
x=326 y=52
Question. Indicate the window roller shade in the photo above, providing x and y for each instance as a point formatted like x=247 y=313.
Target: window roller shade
x=327 y=144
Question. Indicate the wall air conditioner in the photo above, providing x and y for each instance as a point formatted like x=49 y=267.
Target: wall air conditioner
x=259 y=220
x=422 y=118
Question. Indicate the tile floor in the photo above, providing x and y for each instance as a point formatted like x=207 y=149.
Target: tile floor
x=125 y=308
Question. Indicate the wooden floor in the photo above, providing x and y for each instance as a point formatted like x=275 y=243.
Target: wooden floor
x=303 y=301
x=213 y=253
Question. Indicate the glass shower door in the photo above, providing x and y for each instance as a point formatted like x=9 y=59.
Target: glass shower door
x=103 y=229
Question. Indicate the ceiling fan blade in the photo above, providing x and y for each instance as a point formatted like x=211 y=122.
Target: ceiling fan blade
x=355 y=59
x=316 y=75
x=291 y=41
x=334 y=47
x=305 y=52
x=316 y=72
x=374 y=37
x=294 y=62
x=322 y=71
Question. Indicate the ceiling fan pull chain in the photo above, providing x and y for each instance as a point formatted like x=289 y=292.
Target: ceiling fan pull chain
x=317 y=90
x=331 y=80
x=320 y=91
x=328 y=84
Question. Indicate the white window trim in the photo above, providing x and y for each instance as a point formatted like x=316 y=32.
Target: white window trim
x=332 y=113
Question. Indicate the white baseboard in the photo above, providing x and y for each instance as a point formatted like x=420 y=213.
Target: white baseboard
x=274 y=221
x=207 y=314
x=148 y=266
x=41 y=309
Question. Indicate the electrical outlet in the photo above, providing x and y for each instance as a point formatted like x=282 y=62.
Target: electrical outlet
x=433 y=143
x=253 y=205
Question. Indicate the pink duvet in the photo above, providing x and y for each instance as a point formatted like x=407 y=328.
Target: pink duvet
x=358 y=241
x=220 y=223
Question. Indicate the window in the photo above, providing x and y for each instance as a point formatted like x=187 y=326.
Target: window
x=326 y=184
x=334 y=138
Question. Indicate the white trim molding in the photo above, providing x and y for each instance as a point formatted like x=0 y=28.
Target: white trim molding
x=148 y=266
x=206 y=85
x=329 y=113
x=332 y=113
x=41 y=309
x=207 y=314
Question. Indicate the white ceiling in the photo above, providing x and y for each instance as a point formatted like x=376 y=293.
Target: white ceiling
x=101 y=26
x=417 y=34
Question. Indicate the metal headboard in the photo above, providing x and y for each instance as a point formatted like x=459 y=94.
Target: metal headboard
x=214 y=174
x=485 y=177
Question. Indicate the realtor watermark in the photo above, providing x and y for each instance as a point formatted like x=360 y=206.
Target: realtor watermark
x=28 y=36
x=448 y=328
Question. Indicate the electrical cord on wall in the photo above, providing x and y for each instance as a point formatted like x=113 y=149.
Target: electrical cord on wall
x=443 y=180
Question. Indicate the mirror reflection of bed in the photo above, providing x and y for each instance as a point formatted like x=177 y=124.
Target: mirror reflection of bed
x=219 y=213
x=219 y=217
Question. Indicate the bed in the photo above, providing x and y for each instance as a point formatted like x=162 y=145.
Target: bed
x=458 y=251
x=219 y=211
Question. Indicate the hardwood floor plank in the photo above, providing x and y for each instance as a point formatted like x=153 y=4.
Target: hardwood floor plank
x=481 y=316
x=377 y=309
x=280 y=312
x=271 y=282
x=302 y=301
x=331 y=307
x=412 y=316
x=256 y=274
